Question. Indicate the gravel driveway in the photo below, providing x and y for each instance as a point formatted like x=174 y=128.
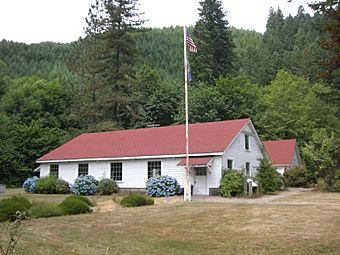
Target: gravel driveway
x=266 y=199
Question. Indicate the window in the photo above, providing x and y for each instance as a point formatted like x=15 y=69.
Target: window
x=154 y=169
x=83 y=169
x=117 y=171
x=54 y=169
x=200 y=171
x=230 y=164
x=247 y=168
x=246 y=142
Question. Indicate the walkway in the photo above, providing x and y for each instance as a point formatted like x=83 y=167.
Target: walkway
x=266 y=199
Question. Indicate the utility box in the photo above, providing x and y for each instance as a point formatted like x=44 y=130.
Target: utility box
x=2 y=188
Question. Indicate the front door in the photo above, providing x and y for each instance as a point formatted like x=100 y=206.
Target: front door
x=200 y=181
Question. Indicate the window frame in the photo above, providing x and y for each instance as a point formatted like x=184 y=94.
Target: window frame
x=247 y=142
x=57 y=169
x=232 y=164
x=201 y=173
x=248 y=169
x=79 y=169
x=151 y=166
x=114 y=176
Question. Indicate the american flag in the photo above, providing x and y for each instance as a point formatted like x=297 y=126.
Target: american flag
x=192 y=46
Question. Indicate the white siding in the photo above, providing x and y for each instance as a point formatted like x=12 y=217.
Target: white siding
x=296 y=159
x=280 y=169
x=239 y=155
x=134 y=171
x=44 y=170
x=215 y=173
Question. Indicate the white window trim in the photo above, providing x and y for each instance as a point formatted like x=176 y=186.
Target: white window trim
x=122 y=181
x=232 y=163
x=249 y=143
x=147 y=167
x=249 y=168
x=49 y=170
x=88 y=167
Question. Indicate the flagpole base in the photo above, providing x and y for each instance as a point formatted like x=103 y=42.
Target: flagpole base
x=187 y=191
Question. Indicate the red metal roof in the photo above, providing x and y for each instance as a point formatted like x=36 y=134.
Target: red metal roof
x=203 y=138
x=280 y=152
x=196 y=161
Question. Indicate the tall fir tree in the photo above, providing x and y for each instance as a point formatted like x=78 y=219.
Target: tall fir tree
x=112 y=49
x=215 y=45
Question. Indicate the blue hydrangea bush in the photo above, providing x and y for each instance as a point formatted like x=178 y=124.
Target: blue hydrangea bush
x=162 y=186
x=85 y=185
x=30 y=184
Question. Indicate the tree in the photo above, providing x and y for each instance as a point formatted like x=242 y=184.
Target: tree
x=215 y=46
x=319 y=155
x=292 y=107
x=330 y=24
x=239 y=97
x=110 y=25
x=330 y=9
x=233 y=97
x=33 y=119
x=269 y=180
x=205 y=104
x=158 y=99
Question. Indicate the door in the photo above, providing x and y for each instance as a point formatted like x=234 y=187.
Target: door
x=200 y=181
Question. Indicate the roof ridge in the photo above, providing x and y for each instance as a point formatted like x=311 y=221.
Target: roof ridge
x=161 y=127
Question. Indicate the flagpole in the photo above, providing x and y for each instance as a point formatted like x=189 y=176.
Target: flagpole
x=187 y=188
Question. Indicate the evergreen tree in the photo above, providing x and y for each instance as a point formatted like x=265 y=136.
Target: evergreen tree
x=215 y=46
x=269 y=180
x=110 y=25
x=273 y=45
x=330 y=9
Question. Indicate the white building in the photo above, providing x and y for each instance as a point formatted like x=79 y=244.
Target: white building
x=283 y=154
x=132 y=156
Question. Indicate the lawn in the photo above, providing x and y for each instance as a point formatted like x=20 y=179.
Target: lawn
x=194 y=228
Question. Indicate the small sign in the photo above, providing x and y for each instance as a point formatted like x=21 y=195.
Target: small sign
x=2 y=188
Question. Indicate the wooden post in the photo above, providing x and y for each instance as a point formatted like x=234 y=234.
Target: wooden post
x=250 y=188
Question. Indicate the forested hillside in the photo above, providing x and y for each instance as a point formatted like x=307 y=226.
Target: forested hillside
x=50 y=92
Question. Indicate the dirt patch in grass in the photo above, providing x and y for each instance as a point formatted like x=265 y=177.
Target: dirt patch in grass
x=168 y=200
x=107 y=205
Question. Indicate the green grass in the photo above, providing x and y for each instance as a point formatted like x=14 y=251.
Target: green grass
x=194 y=228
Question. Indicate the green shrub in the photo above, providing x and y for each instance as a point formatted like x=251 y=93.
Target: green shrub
x=45 y=210
x=62 y=187
x=22 y=200
x=46 y=184
x=296 y=177
x=74 y=206
x=51 y=185
x=80 y=198
x=8 y=209
x=232 y=183
x=107 y=187
x=281 y=182
x=269 y=179
x=336 y=187
x=149 y=200
x=133 y=200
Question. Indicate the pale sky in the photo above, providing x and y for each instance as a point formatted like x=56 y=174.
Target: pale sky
x=33 y=21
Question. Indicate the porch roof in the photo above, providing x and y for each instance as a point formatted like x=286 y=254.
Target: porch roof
x=196 y=161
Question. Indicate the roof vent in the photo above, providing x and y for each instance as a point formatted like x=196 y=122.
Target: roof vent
x=152 y=125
